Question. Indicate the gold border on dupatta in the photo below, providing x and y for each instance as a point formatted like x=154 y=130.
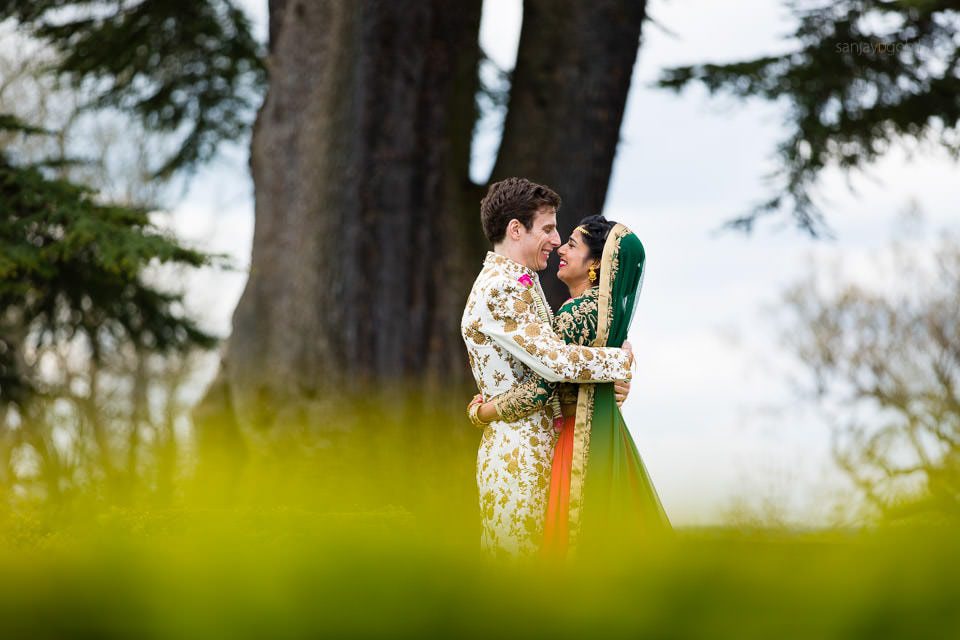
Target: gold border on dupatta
x=609 y=265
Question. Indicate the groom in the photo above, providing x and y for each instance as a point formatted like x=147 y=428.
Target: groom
x=507 y=329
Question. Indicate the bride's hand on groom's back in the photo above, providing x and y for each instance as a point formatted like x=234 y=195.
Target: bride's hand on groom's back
x=621 y=389
x=629 y=349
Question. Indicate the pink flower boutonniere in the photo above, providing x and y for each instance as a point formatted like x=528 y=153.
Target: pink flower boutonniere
x=525 y=280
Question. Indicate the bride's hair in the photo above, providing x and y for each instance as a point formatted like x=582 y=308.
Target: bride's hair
x=597 y=227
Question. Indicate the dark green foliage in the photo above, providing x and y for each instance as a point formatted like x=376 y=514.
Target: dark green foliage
x=864 y=74
x=11 y=123
x=73 y=267
x=189 y=67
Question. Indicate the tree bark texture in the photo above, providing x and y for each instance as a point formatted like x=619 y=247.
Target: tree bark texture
x=570 y=85
x=360 y=156
x=367 y=232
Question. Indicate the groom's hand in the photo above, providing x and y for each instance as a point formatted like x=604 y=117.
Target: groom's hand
x=621 y=389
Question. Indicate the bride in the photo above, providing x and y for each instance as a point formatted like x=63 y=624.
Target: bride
x=600 y=491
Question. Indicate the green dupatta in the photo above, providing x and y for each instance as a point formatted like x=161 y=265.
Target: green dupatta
x=611 y=494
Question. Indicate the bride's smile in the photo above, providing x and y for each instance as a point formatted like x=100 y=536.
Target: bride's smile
x=575 y=263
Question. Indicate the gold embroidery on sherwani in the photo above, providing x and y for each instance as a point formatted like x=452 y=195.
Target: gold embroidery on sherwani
x=533 y=394
x=513 y=461
x=575 y=323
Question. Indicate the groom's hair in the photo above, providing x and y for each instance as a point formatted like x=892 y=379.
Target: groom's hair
x=513 y=198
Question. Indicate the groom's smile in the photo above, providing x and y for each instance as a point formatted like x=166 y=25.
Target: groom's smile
x=542 y=238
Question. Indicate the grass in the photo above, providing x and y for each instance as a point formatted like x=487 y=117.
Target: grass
x=356 y=542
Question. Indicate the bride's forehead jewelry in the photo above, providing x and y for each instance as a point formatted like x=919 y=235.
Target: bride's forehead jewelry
x=582 y=230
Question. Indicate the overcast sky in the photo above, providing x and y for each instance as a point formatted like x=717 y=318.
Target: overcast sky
x=711 y=409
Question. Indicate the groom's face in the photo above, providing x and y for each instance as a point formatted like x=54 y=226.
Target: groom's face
x=541 y=240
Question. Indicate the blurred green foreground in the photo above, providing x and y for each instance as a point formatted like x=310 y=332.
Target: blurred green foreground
x=335 y=539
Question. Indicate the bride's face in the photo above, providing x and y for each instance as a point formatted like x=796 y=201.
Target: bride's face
x=574 y=261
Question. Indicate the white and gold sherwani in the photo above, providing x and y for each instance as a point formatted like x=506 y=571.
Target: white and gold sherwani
x=506 y=327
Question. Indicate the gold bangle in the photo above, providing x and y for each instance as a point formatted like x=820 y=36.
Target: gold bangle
x=474 y=413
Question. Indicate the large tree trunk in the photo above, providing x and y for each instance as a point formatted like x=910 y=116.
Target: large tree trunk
x=570 y=86
x=360 y=161
x=367 y=228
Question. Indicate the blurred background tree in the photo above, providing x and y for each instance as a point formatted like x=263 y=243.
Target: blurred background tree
x=884 y=365
x=80 y=323
x=366 y=236
x=95 y=345
x=858 y=77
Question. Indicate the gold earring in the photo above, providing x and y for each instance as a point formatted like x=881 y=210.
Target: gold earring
x=592 y=274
